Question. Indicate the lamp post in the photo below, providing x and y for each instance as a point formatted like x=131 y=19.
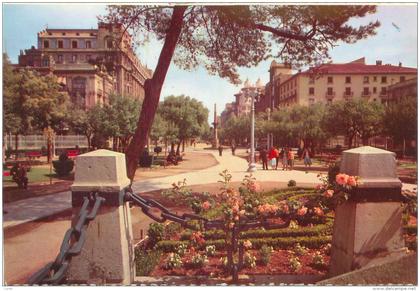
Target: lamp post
x=252 y=167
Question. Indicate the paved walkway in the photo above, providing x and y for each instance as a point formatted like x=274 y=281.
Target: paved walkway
x=33 y=208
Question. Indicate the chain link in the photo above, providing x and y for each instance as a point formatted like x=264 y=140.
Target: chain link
x=73 y=241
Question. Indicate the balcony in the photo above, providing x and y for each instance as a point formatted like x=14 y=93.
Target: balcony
x=366 y=94
x=348 y=94
x=329 y=95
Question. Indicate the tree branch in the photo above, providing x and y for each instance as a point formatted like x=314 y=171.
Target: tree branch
x=286 y=34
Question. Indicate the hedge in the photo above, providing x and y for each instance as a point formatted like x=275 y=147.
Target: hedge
x=146 y=260
x=278 y=243
x=320 y=229
x=410 y=229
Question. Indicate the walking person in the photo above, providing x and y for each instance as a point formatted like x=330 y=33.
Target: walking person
x=290 y=158
x=283 y=155
x=277 y=156
x=233 y=147
x=306 y=155
x=272 y=156
x=263 y=158
x=220 y=148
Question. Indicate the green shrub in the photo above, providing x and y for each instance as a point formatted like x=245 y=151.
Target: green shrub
x=155 y=233
x=292 y=183
x=265 y=254
x=146 y=260
x=250 y=261
x=313 y=242
x=63 y=166
x=171 y=229
x=198 y=261
x=173 y=261
x=333 y=171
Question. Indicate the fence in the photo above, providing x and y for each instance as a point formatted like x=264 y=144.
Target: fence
x=37 y=142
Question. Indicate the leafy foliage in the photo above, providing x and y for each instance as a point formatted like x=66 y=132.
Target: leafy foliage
x=63 y=166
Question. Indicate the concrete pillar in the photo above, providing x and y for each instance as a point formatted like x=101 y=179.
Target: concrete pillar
x=107 y=256
x=368 y=227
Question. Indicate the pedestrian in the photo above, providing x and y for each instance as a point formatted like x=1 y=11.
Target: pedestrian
x=283 y=155
x=272 y=156
x=306 y=155
x=277 y=156
x=233 y=147
x=263 y=158
x=290 y=158
x=220 y=150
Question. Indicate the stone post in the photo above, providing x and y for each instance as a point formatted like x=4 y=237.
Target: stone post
x=107 y=255
x=368 y=227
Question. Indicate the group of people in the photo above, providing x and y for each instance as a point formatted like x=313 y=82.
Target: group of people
x=285 y=155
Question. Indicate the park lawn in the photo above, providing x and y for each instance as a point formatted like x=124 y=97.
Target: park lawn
x=36 y=174
x=408 y=165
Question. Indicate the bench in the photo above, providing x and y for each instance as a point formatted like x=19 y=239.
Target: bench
x=33 y=155
x=72 y=153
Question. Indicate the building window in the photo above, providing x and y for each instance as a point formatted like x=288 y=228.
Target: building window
x=88 y=44
x=348 y=91
x=311 y=101
x=330 y=91
x=366 y=91
x=74 y=44
x=330 y=80
x=45 y=62
x=60 y=59
x=374 y=90
x=63 y=33
x=311 y=91
x=402 y=78
x=348 y=79
x=383 y=79
x=46 y=44
x=366 y=79
x=60 y=44
x=77 y=33
x=375 y=79
x=74 y=58
x=109 y=43
x=383 y=90
x=88 y=58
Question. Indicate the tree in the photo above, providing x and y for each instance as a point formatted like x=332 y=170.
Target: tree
x=32 y=101
x=400 y=121
x=223 y=38
x=185 y=115
x=353 y=118
x=78 y=120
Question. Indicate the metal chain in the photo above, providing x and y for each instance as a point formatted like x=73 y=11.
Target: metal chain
x=74 y=239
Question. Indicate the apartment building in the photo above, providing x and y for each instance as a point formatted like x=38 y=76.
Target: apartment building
x=91 y=64
x=332 y=82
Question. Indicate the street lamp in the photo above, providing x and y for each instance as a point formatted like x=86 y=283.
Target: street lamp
x=252 y=167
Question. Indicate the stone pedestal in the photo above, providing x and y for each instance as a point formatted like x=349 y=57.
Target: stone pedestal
x=107 y=255
x=368 y=227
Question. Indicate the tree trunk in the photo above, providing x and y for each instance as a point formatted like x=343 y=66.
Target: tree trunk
x=183 y=146
x=16 y=145
x=152 y=89
x=403 y=151
x=177 y=148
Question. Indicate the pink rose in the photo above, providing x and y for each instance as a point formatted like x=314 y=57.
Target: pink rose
x=329 y=193
x=254 y=187
x=318 y=211
x=247 y=244
x=341 y=179
x=351 y=181
x=302 y=211
x=206 y=205
x=236 y=218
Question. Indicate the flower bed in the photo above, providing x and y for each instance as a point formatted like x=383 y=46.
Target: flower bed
x=281 y=232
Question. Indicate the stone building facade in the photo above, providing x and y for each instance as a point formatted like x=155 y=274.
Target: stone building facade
x=332 y=82
x=91 y=64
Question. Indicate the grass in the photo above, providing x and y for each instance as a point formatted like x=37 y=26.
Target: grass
x=36 y=174
x=406 y=165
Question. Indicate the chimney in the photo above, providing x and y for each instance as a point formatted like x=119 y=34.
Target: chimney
x=379 y=63
x=399 y=64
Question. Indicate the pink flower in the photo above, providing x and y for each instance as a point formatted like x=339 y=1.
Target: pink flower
x=319 y=187
x=302 y=211
x=231 y=225
x=247 y=244
x=206 y=205
x=341 y=179
x=329 y=193
x=351 y=181
x=254 y=187
x=267 y=209
x=318 y=211
x=235 y=208
x=242 y=212
x=236 y=218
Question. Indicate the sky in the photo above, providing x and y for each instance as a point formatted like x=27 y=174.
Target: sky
x=396 y=41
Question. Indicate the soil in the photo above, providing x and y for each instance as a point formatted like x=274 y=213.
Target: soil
x=278 y=265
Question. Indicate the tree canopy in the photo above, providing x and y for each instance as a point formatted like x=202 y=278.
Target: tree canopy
x=223 y=38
